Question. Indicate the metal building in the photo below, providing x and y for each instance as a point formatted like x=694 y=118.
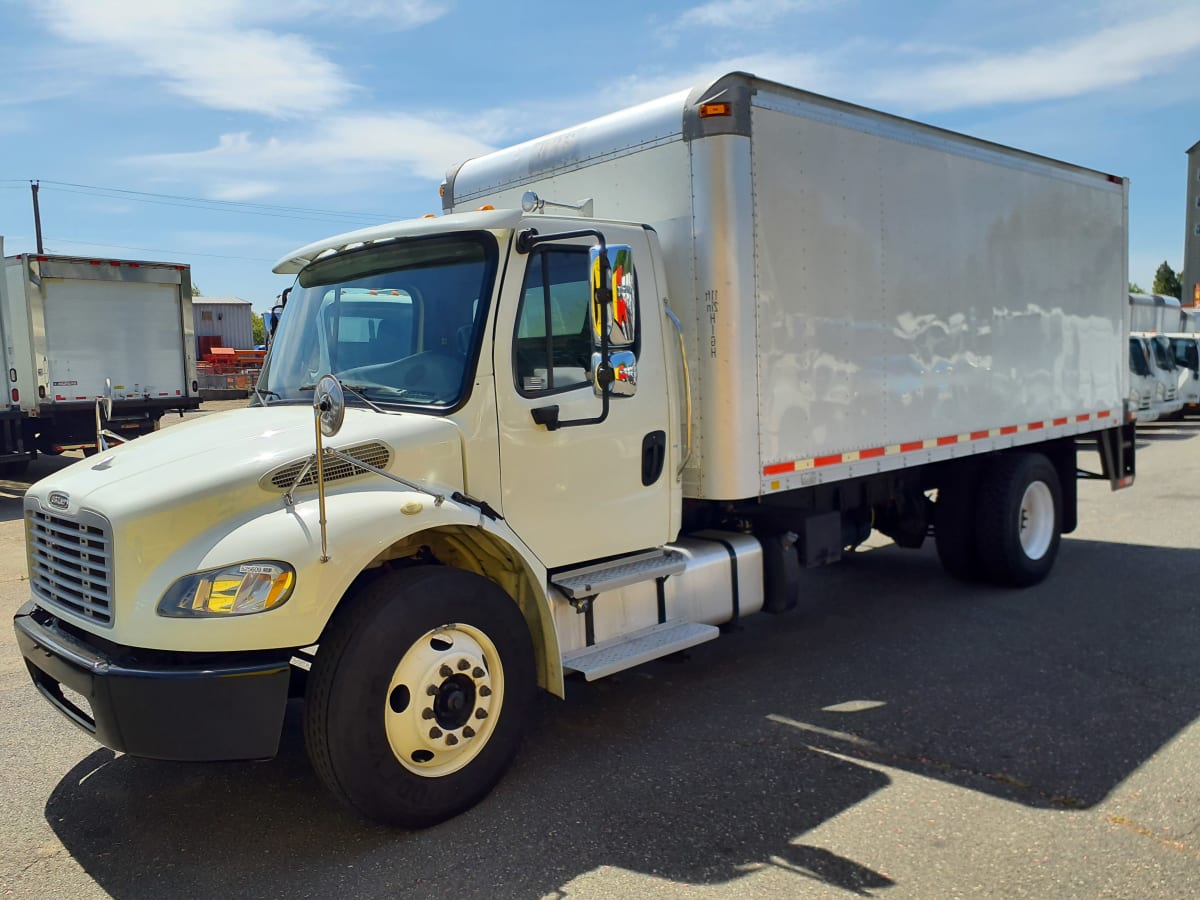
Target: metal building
x=227 y=318
x=1189 y=278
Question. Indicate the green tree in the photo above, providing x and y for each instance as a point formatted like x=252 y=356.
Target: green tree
x=1135 y=288
x=259 y=329
x=195 y=289
x=1166 y=282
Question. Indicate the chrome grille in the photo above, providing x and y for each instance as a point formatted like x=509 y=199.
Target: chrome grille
x=373 y=454
x=70 y=563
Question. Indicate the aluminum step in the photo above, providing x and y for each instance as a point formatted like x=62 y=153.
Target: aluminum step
x=637 y=648
x=589 y=581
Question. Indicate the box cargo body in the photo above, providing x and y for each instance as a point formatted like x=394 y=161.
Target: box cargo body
x=78 y=329
x=860 y=292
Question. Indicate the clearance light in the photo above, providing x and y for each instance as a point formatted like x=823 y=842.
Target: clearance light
x=715 y=109
x=485 y=208
x=237 y=590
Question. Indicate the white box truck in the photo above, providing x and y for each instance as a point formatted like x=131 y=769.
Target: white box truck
x=500 y=445
x=1152 y=317
x=78 y=328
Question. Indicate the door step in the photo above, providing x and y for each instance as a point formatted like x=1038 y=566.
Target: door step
x=636 y=648
x=588 y=581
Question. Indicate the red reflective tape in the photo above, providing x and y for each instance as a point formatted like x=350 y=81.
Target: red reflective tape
x=59 y=397
x=948 y=439
x=163 y=394
x=1103 y=414
x=114 y=263
x=979 y=435
x=1009 y=429
x=779 y=468
x=1034 y=426
x=81 y=398
x=1083 y=418
x=912 y=445
x=94 y=262
x=1061 y=421
x=135 y=265
x=872 y=453
x=828 y=460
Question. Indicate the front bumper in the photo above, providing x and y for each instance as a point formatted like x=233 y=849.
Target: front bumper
x=158 y=705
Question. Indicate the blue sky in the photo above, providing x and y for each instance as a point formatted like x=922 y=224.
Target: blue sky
x=349 y=114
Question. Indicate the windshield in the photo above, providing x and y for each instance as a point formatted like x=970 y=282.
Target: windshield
x=1162 y=353
x=1137 y=357
x=398 y=323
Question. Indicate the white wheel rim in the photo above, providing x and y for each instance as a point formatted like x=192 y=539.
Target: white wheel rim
x=1037 y=520
x=443 y=700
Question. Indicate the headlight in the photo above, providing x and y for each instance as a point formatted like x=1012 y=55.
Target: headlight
x=237 y=590
x=1160 y=392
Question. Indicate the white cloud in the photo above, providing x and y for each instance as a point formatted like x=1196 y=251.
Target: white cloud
x=341 y=145
x=747 y=14
x=242 y=190
x=1114 y=56
x=224 y=53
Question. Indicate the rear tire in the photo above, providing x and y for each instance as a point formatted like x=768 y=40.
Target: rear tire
x=1019 y=519
x=419 y=695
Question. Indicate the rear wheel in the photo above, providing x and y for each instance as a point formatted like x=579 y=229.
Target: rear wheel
x=1019 y=519
x=419 y=694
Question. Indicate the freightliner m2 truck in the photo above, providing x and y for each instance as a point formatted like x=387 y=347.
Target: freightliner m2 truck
x=638 y=375
x=79 y=328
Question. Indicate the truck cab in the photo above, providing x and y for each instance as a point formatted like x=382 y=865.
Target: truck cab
x=1186 y=349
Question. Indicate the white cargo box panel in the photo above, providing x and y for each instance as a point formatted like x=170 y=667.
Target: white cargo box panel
x=115 y=322
x=861 y=292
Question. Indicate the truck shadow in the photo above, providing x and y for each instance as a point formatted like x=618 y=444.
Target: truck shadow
x=705 y=769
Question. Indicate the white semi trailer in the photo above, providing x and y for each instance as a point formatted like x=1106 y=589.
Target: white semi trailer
x=502 y=445
x=78 y=328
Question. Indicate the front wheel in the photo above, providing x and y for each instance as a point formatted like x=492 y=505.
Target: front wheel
x=419 y=695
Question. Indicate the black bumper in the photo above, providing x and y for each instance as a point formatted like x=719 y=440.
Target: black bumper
x=181 y=707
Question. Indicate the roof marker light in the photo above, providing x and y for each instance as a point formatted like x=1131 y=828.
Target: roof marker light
x=716 y=109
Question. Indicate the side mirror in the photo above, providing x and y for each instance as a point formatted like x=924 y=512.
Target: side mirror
x=618 y=377
x=614 y=297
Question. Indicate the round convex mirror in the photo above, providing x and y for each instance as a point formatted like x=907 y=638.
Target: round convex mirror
x=330 y=403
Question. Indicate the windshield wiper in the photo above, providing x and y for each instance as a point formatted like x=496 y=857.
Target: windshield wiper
x=263 y=395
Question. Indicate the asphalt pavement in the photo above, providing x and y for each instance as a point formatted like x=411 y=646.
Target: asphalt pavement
x=913 y=737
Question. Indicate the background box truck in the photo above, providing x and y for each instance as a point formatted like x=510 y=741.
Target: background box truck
x=78 y=328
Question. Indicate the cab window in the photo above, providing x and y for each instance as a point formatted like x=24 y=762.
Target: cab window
x=552 y=348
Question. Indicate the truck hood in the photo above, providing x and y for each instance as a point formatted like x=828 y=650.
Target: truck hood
x=222 y=460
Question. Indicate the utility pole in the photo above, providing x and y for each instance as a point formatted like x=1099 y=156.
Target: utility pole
x=37 y=217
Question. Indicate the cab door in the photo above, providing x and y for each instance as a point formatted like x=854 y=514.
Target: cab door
x=583 y=491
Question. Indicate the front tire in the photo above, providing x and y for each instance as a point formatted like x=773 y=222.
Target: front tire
x=419 y=695
x=1019 y=519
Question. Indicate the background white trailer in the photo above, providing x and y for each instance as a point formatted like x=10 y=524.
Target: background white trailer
x=80 y=328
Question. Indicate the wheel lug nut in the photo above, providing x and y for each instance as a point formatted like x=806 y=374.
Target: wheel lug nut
x=451 y=740
x=435 y=733
x=481 y=713
x=485 y=691
x=427 y=714
x=431 y=690
x=468 y=731
x=463 y=665
x=477 y=672
x=445 y=671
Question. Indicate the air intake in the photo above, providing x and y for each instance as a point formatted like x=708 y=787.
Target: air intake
x=373 y=454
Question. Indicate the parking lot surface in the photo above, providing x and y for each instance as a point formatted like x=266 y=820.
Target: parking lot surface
x=913 y=737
